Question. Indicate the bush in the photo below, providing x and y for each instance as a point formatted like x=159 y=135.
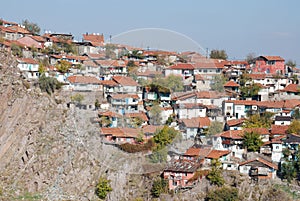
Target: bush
x=103 y=188
x=134 y=148
x=223 y=194
x=49 y=84
x=159 y=186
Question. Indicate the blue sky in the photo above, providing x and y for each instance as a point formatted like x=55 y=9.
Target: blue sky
x=268 y=27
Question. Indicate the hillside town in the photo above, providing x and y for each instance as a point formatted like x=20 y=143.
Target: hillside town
x=242 y=115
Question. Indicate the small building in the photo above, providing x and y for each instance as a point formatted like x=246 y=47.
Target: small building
x=29 y=67
x=178 y=172
x=84 y=83
x=258 y=169
x=269 y=65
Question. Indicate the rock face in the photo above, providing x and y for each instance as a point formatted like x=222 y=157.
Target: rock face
x=53 y=152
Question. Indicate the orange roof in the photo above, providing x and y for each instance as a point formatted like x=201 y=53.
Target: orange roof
x=276 y=58
x=196 y=122
x=125 y=81
x=210 y=95
x=262 y=161
x=232 y=134
x=27 y=60
x=292 y=88
x=279 y=129
x=197 y=151
x=111 y=63
x=151 y=128
x=231 y=84
x=141 y=115
x=93 y=38
x=259 y=76
x=83 y=79
x=243 y=102
x=123 y=96
x=110 y=114
x=18 y=29
x=187 y=66
x=120 y=132
x=261 y=131
x=235 y=122
x=208 y=63
x=215 y=154
x=109 y=83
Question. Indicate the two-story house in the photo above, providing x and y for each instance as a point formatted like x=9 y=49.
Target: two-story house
x=269 y=65
x=29 y=67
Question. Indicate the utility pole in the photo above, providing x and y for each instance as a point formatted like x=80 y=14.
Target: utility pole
x=206 y=53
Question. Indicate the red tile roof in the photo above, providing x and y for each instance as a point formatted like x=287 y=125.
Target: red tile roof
x=197 y=152
x=231 y=84
x=232 y=134
x=292 y=88
x=141 y=115
x=216 y=154
x=123 y=96
x=243 y=102
x=235 y=122
x=196 y=122
x=83 y=79
x=276 y=58
x=262 y=161
x=109 y=83
x=210 y=95
x=109 y=114
x=151 y=128
x=279 y=129
x=27 y=61
x=261 y=131
x=125 y=81
x=93 y=38
x=186 y=66
x=260 y=76
x=120 y=132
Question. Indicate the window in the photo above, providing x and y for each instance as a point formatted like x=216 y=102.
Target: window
x=205 y=71
x=272 y=62
x=174 y=183
x=277 y=147
x=238 y=108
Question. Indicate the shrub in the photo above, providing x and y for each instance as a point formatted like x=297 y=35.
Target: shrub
x=159 y=186
x=103 y=188
x=49 y=84
x=223 y=194
x=134 y=148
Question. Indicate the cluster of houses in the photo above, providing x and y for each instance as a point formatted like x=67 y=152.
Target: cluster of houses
x=124 y=112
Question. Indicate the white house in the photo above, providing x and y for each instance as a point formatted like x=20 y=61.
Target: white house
x=29 y=67
x=84 y=83
x=189 y=110
x=258 y=169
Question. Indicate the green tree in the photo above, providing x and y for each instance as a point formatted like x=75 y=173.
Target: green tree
x=252 y=141
x=105 y=121
x=159 y=156
x=77 y=98
x=155 y=115
x=16 y=50
x=97 y=104
x=159 y=186
x=291 y=63
x=250 y=90
x=164 y=136
x=223 y=194
x=263 y=120
x=215 y=174
x=172 y=82
x=288 y=171
x=296 y=114
x=31 y=27
x=103 y=188
x=137 y=122
x=214 y=128
x=49 y=84
x=218 y=54
x=218 y=83
x=294 y=127
x=63 y=66
x=250 y=58
x=110 y=51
